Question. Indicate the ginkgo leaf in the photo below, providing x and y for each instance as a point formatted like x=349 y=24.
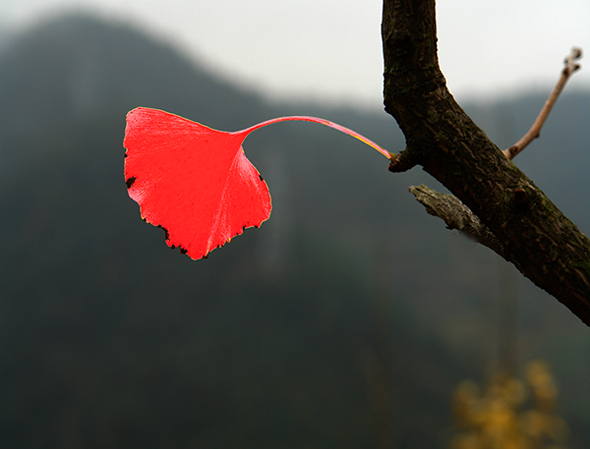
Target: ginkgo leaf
x=196 y=182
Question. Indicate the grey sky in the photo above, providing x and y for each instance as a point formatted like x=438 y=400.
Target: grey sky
x=328 y=49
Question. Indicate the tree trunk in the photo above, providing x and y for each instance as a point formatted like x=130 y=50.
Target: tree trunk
x=529 y=229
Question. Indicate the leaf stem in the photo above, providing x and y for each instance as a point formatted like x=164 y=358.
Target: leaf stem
x=324 y=122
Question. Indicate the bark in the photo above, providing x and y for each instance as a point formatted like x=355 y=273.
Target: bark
x=528 y=229
x=457 y=216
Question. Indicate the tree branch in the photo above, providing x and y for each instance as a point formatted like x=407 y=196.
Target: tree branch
x=457 y=216
x=533 y=233
x=570 y=67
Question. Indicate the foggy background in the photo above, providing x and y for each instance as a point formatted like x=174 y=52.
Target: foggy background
x=350 y=317
x=331 y=50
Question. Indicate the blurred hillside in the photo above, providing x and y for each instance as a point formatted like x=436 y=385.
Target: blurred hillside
x=345 y=320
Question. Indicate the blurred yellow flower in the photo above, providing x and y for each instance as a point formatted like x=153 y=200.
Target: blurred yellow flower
x=509 y=414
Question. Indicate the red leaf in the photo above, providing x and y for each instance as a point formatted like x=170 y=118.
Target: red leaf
x=191 y=180
x=196 y=182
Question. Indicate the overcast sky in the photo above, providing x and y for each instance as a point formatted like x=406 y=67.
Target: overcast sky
x=328 y=49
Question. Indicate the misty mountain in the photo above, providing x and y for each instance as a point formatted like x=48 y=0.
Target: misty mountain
x=349 y=308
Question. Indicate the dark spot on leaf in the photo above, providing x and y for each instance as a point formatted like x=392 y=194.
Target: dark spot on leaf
x=130 y=181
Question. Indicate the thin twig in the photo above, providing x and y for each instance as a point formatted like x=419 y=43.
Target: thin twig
x=570 y=67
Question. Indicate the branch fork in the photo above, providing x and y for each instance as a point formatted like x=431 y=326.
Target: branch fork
x=532 y=232
x=456 y=214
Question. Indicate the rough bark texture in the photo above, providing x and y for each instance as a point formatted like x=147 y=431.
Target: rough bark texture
x=457 y=216
x=532 y=232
